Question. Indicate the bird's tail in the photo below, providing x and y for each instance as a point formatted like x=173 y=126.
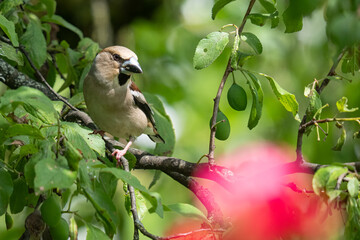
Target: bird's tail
x=156 y=138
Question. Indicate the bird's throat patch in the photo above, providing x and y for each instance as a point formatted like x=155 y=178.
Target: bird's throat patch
x=123 y=78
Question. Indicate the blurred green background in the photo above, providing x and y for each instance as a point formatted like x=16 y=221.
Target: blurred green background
x=164 y=34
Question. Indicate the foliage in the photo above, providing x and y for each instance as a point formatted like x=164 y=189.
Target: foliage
x=46 y=161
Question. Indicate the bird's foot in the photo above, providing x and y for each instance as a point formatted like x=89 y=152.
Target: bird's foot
x=118 y=154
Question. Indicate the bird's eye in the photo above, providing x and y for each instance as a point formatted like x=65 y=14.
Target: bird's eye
x=116 y=57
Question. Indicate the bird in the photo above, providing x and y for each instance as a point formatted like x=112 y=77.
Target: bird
x=114 y=102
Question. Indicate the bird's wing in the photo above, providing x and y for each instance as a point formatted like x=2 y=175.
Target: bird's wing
x=141 y=103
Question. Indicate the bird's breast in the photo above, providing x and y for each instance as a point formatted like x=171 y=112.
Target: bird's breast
x=113 y=110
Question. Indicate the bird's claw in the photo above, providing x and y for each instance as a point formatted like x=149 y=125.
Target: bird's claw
x=118 y=154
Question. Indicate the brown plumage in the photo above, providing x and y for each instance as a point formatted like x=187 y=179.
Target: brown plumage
x=114 y=102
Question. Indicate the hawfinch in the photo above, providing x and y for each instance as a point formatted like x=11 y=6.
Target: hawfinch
x=113 y=100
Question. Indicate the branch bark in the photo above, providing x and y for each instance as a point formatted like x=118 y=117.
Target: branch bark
x=15 y=79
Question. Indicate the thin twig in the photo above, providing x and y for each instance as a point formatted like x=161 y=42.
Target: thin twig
x=326 y=81
x=214 y=216
x=228 y=70
x=339 y=180
x=303 y=125
x=57 y=67
x=189 y=234
x=40 y=76
x=325 y=120
x=137 y=223
x=295 y=188
x=43 y=80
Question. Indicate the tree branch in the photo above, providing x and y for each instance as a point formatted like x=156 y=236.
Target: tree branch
x=214 y=216
x=15 y=79
x=303 y=125
x=228 y=70
x=331 y=72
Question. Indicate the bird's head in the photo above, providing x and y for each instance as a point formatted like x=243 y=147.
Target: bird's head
x=117 y=61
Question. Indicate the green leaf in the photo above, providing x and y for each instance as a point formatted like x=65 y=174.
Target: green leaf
x=104 y=206
x=209 y=49
x=44 y=153
x=342 y=105
x=163 y=125
x=219 y=4
x=62 y=22
x=126 y=177
x=33 y=101
x=341 y=140
x=352 y=227
x=293 y=17
x=93 y=233
x=50 y=6
x=155 y=200
x=333 y=194
x=9 y=29
x=24 y=129
x=341 y=30
x=89 y=48
x=50 y=174
x=242 y=57
x=18 y=197
x=83 y=75
x=353 y=187
x=35 y=43
x=107 y=182
x=73 y=156
x=287 y=99
x=11 y=53
x=258 y=98
x=269 y=7
x=222 y=126
x=71 y=75
x=157 y=175
x=83 y=139
x=325 y=178
x=260 y=19
x=7 y=5
x=335 y=173
x=131 y=159
x=6 y=189
x=253 y=41
x=99 y=194
x=187 y=210
x=351 y=60
x=9 y=222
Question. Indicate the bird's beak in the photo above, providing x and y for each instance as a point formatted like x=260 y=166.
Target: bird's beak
x=131 y=66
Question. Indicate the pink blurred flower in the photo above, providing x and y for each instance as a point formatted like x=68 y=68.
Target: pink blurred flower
x=259 y=205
